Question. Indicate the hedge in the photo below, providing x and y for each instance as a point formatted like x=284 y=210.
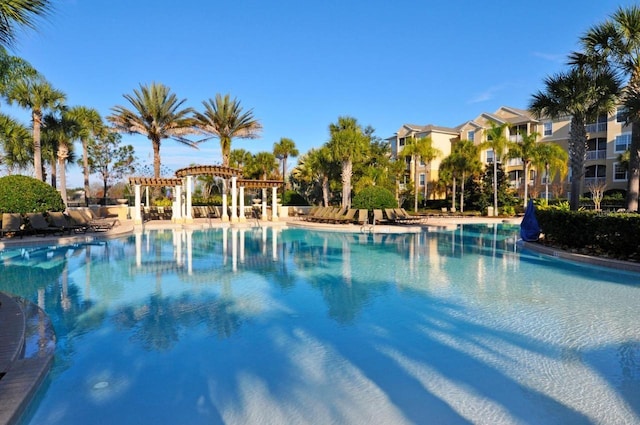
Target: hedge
x=374 y=197
x=615 y=235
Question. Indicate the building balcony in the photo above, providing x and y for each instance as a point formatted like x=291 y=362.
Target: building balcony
x=600 y=154
x=599 y=127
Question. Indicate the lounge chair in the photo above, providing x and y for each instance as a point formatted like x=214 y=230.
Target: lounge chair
x=12 y=223
x=363 y=217
x=86 y=219
x=347 y=217
x=378 y=217
x=403 y=217
x=40 y=226
x=60 y=220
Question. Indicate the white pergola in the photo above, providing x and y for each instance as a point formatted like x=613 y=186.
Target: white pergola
x=182 y=208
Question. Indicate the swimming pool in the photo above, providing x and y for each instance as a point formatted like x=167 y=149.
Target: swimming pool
x=272 y=326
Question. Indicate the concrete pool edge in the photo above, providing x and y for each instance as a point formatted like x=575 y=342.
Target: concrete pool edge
x=22 y=374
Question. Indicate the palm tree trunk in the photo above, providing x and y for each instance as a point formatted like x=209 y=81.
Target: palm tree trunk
x=453 y=195
x=325 y=190
x=546 y=183
x=54 y=174
x=156 y=165
x=577 y=155
x=85 y=170
x=37 y=149
x=347 y=170
x=462 y=193
x=495 y=183
x=633 y=188
x=526 y=185
x=63 y=153
x=414 y=161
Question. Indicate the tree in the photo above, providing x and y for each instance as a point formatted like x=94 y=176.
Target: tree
x=419 y=149
x=617 y=40
x=238 y=158
x=496 y=141
x=157 y=114
x=224 y=118
x=464 y=160
x=526 y=151
x=20 y=13
x=59 y=133
x=262 y=165
x=16 y=142
x=553 y=159
x=583 y=92
x=39 y=96
x=89 y=125
x=314 y=170
x=111 y=160
x=348 y=143
x=283 y=149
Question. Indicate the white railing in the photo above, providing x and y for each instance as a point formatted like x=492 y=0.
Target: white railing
x=600 y=154
x=596 y=127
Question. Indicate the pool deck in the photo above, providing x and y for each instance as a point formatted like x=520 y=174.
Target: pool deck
x=20 y=377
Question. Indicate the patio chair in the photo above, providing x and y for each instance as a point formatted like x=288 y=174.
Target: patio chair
x=40 y=226
x=86 y=220
x=59 y=219
x=363 y=217
x=378 y=217
x=347 y=217
x=12 y=223
x=403 y=217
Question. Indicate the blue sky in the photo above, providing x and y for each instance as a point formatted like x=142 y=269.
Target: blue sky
x=301 y=64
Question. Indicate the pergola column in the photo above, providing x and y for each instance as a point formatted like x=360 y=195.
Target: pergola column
x=264 y=204
x=274 y=203
x=234 y=199
x=137 y=217
x=224 y=216
x=242 y=217
x=188 y=212
x=176 y=211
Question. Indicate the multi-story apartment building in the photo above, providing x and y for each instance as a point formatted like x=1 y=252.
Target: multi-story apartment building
x=608 y=137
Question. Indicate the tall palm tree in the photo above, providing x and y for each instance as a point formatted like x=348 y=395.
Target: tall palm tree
x=419 y=149
x=314 y=168
x=224 y=118
x=60 y=132
x=348 y=143
x=618 y=41
x=497 y=141
x=284 y=149
x=157 y=114
x=20 y=13
x=465 y=157
x=39 y=96
x=583 y=92
x=262 y=165
x=553 y=158
x=526 y=151
x=89 y=126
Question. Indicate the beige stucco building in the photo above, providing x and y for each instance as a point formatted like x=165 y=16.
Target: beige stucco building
x=608 y=137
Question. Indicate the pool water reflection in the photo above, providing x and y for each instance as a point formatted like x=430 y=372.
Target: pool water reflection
x=266 y=325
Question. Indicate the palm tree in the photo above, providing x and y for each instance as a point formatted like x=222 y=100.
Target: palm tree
x=39 y=96
x=419 y=149
x=16 y=142
x=20 y=13
x=314 y=168
x=89 y=126
x=284 y=149
x=582 y=93
x=262 y=165
x=348 y=142
x=465 y=158
x=157 y=114
x=60 y=132
x=618 y=41
x=496 y=141
x=526 y=151
x=224 y=118
x=553 y=158
x=239 y=158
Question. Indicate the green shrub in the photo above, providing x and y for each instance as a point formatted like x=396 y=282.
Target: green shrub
x=615 y=235
x=374 y=197
x=291 y=197
x=22 y=194
x=212 y=200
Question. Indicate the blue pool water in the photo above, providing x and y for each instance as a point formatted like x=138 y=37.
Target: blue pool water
x=270 y=326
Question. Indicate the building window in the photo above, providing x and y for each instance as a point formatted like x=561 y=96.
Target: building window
x=619 y=172
x=490 y=156
x=621 y=114
x=548 y=128
x=599 y=126
x=401 y=141
x=422 y=179
x=622 y=142
x=471 y=135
